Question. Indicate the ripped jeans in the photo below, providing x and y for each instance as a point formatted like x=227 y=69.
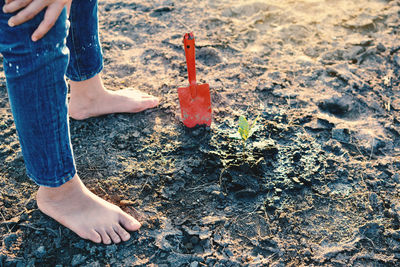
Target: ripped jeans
x=37 y=89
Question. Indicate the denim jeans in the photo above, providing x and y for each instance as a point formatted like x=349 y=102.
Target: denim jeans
x=37 y=89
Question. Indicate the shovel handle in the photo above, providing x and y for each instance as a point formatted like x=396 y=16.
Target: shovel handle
x=188 y=42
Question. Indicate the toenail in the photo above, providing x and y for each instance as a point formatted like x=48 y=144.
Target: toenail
x=135 y=224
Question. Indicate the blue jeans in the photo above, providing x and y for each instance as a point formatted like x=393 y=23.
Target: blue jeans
x=37 y=89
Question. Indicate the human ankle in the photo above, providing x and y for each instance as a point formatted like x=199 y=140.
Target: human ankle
x=66 y=190
x=87 y=89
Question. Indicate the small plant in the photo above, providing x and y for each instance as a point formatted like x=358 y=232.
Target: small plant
x=245 y=129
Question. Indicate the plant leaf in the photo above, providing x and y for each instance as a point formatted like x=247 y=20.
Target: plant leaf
x=244 y=128
x=254 y=129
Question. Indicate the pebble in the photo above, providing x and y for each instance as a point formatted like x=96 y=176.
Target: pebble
x=212 y=220
x=296 y=180
x=341 y=134
x=371 y=230
x=395 y=104
x=136 y=134
x=381 y=47
x=194 y=240
x=246 y=193
x=40 y=252
x=194 y=264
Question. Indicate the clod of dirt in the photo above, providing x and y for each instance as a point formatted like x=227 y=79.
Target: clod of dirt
x=208 y=56
x=338 y=106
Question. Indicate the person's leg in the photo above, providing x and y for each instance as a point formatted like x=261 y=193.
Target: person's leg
x=37 y=89
x=88 y=97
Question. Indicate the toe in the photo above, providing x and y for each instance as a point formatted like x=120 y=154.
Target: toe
x=114 y=236
x=91 y=235
x=104 y=237
x=124 y=235
x=128 y=222
x=150 y=102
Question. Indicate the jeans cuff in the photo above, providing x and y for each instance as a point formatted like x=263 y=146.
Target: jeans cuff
x=56 y=182
x=84 y=76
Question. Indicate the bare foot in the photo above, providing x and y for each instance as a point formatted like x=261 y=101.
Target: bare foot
x=89 y=216
x=90 y=99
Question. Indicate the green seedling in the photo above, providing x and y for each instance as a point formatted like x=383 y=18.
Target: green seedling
x=245 y=129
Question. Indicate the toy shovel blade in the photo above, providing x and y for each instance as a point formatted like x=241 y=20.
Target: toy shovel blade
x=195 y=110
x=195 y=100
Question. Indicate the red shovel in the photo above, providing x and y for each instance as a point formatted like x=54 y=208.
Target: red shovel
x=195 y=100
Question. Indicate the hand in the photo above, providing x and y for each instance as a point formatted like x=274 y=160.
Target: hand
x=28 y=9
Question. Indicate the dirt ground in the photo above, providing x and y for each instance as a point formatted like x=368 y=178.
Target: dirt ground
x=318 y=183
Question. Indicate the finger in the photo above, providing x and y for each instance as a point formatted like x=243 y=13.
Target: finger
x=9 y=1
x=27 y=13
x=50 y=17
x=15 y=5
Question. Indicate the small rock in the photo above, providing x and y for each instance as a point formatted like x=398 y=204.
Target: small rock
x=371 y=230
x=381 y=48
x=319 y=124
x=245 y=193
x=354 y=51
x=213 y=219
x=125 y=202
x=194 y=240
x=40 y=252
x=395 y=104
x=136 y=134
x=194 y=264
x=296 y=180
x=341 y=134
x=363 y=20
x=267 y=146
